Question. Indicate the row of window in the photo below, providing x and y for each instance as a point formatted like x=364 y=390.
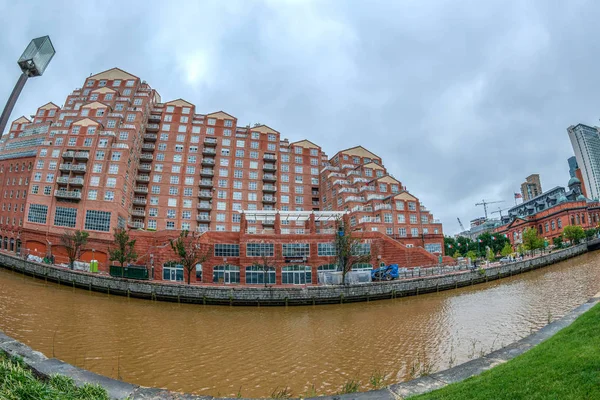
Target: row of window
x=292 y=250
x=94 y=220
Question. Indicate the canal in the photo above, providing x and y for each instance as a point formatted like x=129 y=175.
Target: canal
x=220 y=350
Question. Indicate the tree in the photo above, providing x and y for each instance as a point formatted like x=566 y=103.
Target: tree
x=266 y=262
x=590 y=233
x=573 y=233
x=557 y=242
x=532 y=240
x=457 y=254
x=491 y=256
x=124 y=253
x=189 y=251
x=506 y=250
x=349 y=249
x=73 y=242
x=471 y=255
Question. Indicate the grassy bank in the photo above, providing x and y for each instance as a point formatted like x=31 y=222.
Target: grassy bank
x=566 y=366
x=18 y=383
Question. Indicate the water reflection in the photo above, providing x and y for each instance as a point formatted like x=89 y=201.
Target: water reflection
x=221 y=350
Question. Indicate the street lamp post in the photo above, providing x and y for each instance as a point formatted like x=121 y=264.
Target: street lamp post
x=33 y=62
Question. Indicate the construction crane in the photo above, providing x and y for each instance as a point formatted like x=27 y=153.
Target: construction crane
x=485 y=204
x=461 y=225
x=500 y=211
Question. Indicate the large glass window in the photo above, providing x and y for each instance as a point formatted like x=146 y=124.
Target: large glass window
x=296 y=249
x=97 y=220
x=226 y=274
x=173 y=272
x=227 y=250
x=256 y=275
x=326 y=249
x=361 y=249
x=37 y=213
x=296 y=275
x=259 y=250
x=65 y=217
x=361 y=267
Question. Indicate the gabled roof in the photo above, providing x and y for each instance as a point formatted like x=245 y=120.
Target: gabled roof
x=221 y=115
x=95 y=105
x=404 y=195
x=359 y=151
x=104 y=90
x=49 y=106
x=388 y=179
x=21 y=120
x=307 y=144
x=514 y=222
x=261 y=129
x=113 y=73
x=372 y=165
x=86 y=122
x=180 y=103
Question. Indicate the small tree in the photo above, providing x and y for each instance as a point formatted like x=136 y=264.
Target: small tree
x=73 y=242
x=557 y=242
x=471 y=255
x=490 y=255
x=266 y=263
x=349 y=250
x=124 y=252
x=532 y=240
x=573 y=233
x=590 y=233
x=189 y=251
x=506 y=250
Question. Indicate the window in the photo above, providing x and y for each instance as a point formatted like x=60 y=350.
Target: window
x=95 y=181
x=37 y=213
x=259 y=250
x=211 y=121
x=413 y=219
x=255 y=275
x=92 y=194
x=35 y=189
x=414 y=231
x=109 y=195
x=412 y=206
x=226 y=250
x=401 y=219
x=111 y=182
x=113 y=169
x=433 y=247
x=296 y=274
x=97 y=220
x=399 y=205
x=326 y=249
x=50 y=178
x=402 y=232
x=65 y=217
x=296 y=250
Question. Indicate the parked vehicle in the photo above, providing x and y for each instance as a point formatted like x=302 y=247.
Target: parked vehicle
x=505 y=260
x=386 y=273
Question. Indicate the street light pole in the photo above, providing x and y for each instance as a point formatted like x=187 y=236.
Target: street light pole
x=33 y=62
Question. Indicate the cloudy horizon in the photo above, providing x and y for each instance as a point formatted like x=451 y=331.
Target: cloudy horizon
x=462 y=100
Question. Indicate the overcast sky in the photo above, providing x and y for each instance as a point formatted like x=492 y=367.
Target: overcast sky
x=462 y=100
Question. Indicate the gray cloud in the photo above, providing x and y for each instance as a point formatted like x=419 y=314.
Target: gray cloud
x=462 y=100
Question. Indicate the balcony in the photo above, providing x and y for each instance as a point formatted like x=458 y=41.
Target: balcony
x=146 y=157
x=204 y=205
x=152 y=128
x=269 y=222
x=208 y=161
x=209 y=151
x=155 y=118
x=205 y=183
x=269 y=188
x=150 y=137
x=68 y=155
x=210 y=142
x=67 y=194
x=75 y=168
x=143 y=178
x=140 y=189
x=145 y=167
x=138 y=213
x=136 y=224
x=269 y=199
x=269 y=167
x=139 y=201
x=203 y=218
x=205 y=194
x=148 y=147
x=269 y=157
x=269 y=178
x=62 y=180
x=383 y=207
x=70 y=181
x=82 y=155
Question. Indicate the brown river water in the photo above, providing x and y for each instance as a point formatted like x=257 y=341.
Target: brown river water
x=220 y=350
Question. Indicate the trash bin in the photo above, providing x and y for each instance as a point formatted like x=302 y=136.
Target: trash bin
x=94 y=266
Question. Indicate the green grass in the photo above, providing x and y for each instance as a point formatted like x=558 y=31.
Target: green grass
x=566 y=366
x=17 y=382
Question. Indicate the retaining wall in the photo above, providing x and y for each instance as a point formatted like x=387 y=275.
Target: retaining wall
x=309 y=295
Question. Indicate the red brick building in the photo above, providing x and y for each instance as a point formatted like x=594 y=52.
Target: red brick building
x=115 y=155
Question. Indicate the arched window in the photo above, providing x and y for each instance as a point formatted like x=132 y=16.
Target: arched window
x=553 y=225
x=172 y=272
x=572 y=220
x=296 y=275
x=540 y=230
x=327 y=267
x=5 y=243
x=12 y=244
x=362 y=267
x=546 y=227
x=226 y=274
x=256 y=275
x=577 y=219
x=582 y=219
x=559 y=223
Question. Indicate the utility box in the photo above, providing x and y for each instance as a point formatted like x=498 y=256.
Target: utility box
x=37 y=56
x=94 y=266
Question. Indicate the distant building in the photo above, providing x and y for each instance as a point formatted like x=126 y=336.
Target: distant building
x=586 y=146
x=532 y=187
x=572 y=166
x=477 y=221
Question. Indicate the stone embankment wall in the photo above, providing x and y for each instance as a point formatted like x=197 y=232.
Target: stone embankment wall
x=310 y=295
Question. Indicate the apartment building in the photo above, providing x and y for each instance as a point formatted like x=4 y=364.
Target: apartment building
x=586 y=146
x=115 y=155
